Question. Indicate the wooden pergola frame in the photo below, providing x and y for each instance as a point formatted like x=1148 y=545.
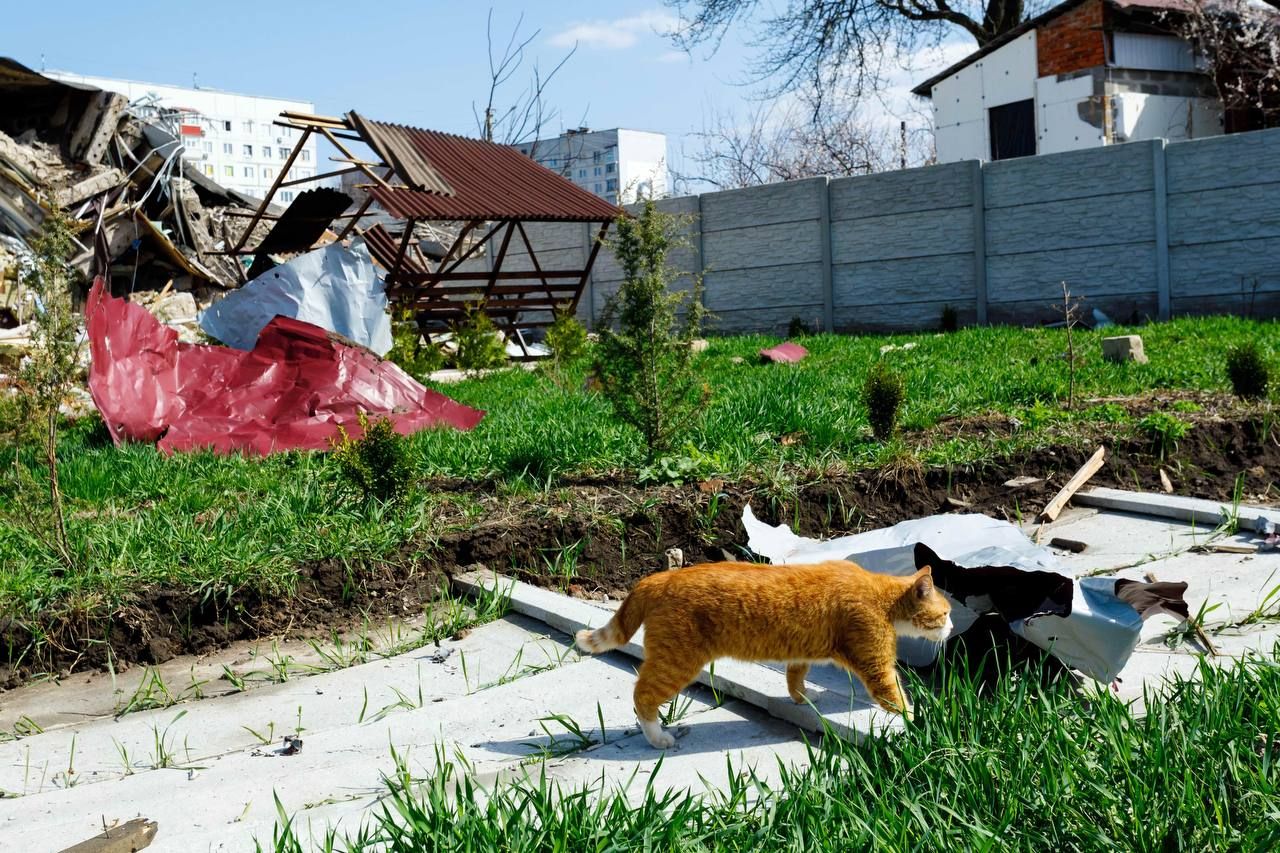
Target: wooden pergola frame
x=439 y=291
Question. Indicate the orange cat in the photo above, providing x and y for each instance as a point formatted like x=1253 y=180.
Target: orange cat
x=800 y=614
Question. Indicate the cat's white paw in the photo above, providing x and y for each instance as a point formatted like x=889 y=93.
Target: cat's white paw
x=658 y=737
x=805 y=697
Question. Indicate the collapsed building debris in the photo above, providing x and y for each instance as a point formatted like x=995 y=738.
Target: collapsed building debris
x=119 y=170
x=295 y=390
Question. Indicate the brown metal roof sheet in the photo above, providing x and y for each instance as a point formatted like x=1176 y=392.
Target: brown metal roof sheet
x=305 y=221
x=489 y=181
x=394 y=145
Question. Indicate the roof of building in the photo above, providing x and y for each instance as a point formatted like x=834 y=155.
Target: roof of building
x=925 y=89
x=451 y=177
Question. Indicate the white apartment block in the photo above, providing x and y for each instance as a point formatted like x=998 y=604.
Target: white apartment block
x=618 y=165
x=230 y=138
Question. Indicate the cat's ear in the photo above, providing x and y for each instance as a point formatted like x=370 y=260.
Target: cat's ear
x=925 y=556
x=923 y=586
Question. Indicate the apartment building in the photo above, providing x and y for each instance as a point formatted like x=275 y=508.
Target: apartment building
x=618 y=165
x=231 y=138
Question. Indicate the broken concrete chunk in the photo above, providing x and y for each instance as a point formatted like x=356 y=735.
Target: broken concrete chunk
x=1124 y=348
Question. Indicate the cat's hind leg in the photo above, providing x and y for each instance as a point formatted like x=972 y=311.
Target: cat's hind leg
x=796 y=673
x=661 y=680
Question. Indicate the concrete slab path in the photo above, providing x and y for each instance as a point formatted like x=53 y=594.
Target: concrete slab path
x=504 y=698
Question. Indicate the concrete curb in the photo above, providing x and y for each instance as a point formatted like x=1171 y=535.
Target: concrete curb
x=848 y=716
x=1193 y=510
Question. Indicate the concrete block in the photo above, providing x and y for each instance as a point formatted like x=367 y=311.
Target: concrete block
x=1124 y=348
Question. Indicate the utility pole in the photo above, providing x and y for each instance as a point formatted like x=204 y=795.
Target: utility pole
x=902 y=143
x=488 y=124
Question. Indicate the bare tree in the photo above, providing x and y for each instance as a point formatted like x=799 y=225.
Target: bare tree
x=830 y=44
x=525 y=113
x=811 y=136
x=1239 y=43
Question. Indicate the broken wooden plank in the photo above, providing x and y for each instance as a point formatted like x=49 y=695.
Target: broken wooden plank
x=1075 y=546
x=1087 y=470
x=1225 y=548
x=1023 y=482
x=1165 y=482
x=125 y=838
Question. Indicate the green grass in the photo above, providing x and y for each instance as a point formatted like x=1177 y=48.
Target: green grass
x=1024 y=768
x=218 y=524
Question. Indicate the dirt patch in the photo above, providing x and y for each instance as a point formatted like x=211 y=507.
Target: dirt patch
x=598 y=536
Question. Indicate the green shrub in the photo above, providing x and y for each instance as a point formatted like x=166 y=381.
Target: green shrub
x=416 y=358
x=883 y=394
x=479 y=346
x=797 y=328
x=567 y=339
x=1248 y=371
x=644 y=360
x=1164 y=430
x=950 y=319
x=375 y=466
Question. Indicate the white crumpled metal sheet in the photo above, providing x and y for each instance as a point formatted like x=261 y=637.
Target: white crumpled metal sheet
x=332 y=287
x=1097 y=638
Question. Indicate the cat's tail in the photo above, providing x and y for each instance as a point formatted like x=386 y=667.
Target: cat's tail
x=617 y=630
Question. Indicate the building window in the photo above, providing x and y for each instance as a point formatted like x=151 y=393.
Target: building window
x=248 y=171
x=248 y=127
x=248 y=151
x=208 y=147
x=266 y=152
x=582 y=173
x=609 y=168
x=1013 y=130
x=226 y=125
x=208 y=169
x=284 y=153
x=287 y=195
x=596 y=172
x=599 y=189
x=266 y=173
x=226 y=148
x=229 y=171
x=553 y=163
x=611 y=184
x=306 y=155
x=595 y=156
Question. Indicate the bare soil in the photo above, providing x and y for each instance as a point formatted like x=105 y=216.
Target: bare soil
x=597 y=537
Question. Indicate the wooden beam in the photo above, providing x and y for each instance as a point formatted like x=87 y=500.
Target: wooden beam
x=586 y=270
x=364 y=206
x=1087 y=470
x=293 y=155
x=502 y=275
x=125 y=838
x=498 y=259
x=363 y=165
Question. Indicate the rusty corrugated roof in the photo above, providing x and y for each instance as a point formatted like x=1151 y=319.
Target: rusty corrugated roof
x=396 y=148
x=489 y=181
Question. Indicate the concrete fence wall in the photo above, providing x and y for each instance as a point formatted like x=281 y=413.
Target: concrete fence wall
x=1145 y=230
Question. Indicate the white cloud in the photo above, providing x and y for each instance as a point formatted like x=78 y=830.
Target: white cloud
x=617 y=34
x=672 y=56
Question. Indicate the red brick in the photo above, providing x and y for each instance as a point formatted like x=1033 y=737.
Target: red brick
x=1072 y=41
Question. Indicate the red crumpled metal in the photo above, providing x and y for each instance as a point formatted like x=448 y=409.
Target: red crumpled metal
x=787 y=352
x=292 y=391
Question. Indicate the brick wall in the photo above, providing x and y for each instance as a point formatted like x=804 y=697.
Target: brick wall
x=1072 y=41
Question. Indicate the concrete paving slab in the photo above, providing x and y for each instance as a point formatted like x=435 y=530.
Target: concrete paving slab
x=493 y=713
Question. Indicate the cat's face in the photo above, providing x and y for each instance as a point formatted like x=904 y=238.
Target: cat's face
x=923 y=611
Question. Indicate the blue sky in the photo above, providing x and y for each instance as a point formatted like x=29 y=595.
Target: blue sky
x=419 y=62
